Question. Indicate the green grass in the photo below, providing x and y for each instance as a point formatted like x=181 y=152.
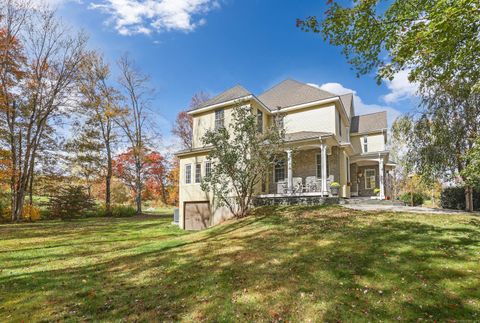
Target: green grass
x=295 y=264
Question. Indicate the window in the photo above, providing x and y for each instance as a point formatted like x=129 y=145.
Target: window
x=365 y=144
x=279 y=172
x=347 y=162
x=188 y=174
x=208 y=168
x=279 y=121
x=198 y=173
x=219 y=118
x=370 y=179
x=319 y=166
x=259 y=121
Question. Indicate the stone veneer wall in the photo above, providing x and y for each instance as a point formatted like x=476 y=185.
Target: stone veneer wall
x=305 y=164
x=362 y=191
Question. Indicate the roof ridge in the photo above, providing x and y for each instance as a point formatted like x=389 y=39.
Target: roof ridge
x=367 y=114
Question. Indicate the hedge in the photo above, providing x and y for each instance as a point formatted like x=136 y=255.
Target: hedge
x=454 y=198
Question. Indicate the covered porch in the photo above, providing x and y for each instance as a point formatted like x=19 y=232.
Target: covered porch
x=371 y=172
x=308 y=167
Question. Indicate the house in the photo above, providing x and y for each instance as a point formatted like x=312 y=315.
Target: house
x=326 y=142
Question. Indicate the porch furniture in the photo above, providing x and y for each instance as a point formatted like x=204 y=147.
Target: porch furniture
x=312 y=184
x=282 y=187
x=297 y=185
x=329 y=182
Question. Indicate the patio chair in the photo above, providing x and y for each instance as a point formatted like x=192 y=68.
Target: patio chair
x=282 y=187
x=297 y=185
x=311 y=184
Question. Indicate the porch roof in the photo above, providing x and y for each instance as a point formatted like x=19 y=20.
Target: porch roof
x=305 y=135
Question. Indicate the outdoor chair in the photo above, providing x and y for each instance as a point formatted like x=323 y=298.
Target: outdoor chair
x=282 y=187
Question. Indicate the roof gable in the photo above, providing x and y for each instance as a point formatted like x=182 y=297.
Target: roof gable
x=233 y=93
x=290 y=93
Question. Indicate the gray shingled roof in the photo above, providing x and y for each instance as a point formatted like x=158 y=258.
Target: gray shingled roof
x=233 y=93
x=289 y=93
x=303 y=135
x=369 y=122
x=347 y=101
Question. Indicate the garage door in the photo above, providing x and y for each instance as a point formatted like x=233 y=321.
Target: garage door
x=197 y=215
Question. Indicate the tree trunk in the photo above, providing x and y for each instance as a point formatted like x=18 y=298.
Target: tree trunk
x=138 y=185
x=469 y=198
x=108 y=181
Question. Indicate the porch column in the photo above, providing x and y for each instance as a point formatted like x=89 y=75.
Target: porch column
x=289 y=171
x=381 y=178
x=323 y=149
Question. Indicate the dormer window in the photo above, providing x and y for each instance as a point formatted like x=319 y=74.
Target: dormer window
x=219 y=119
x=259 y=121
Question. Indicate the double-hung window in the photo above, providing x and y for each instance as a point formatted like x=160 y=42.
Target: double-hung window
x=279 y=172
x=188 y=174
x=339 y=125
x=198 y=173
x=219 y=119
x=208 y=168
x=370 y=179
x=259 y=121
x=365 y=144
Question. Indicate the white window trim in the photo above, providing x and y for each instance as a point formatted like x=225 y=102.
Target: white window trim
x=205 y=167
x=285 y=173
x=365 y=176
x=198 y=168
x=185 y=174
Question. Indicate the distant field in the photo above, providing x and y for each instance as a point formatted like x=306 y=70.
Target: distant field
x=291 y=263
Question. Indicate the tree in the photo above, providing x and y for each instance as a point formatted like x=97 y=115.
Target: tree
x=153 y=171
x=471 y=172
x=100 y=106
x=85 y=158
x=173 y=178
x=30 y=104
x=132 y=120
x=70 y=202
x=437 y=43
x=240 y=157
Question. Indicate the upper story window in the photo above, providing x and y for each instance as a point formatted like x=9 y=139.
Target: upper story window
x=208 y=168
x=188 y=174
x=219 y=119
x=365 y=144
x=259 y=121
x=279 y=172
x=198 y=173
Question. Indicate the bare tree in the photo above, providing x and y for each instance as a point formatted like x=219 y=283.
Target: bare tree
x=133 y=119
x=53 y=55
x=101 y=105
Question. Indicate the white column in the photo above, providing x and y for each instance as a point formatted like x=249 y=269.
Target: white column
x=289 y=171
x=323 y=149
x=381 y=178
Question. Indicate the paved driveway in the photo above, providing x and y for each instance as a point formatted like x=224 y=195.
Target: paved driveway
x=400 y=208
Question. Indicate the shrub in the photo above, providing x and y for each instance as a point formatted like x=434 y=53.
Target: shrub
x=31 y=213
x=376 y=191
x=418 y=198
x=335 y=185
x=70 y=202
x=120 y=211
x=454 y=198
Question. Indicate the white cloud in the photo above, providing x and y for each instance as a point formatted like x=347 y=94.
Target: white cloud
x=131 y=17
x=360 y=106
x=400 y=88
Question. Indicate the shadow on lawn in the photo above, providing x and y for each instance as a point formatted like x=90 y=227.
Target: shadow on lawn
x=282 y=263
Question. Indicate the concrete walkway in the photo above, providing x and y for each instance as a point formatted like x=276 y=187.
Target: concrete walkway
x=400 y=208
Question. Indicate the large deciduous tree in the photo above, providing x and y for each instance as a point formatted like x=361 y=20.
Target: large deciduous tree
x=437 y=42
x=133 y=119
x=49 y=56
x=100 y=103
x=240 y=157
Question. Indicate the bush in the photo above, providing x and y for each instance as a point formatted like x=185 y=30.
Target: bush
x=119 y=211
x=418 y=198
x=454 y=198
x=70 y=202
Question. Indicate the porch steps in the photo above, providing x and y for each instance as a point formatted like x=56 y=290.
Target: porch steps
x=369 y=201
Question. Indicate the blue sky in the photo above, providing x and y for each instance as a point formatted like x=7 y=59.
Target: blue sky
x=188 y=46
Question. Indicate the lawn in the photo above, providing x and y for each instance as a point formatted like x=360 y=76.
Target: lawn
x=291 y=263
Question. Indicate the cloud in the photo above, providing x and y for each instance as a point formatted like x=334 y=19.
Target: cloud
x=360 y=106
x=131 y=17
x=400 y=88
